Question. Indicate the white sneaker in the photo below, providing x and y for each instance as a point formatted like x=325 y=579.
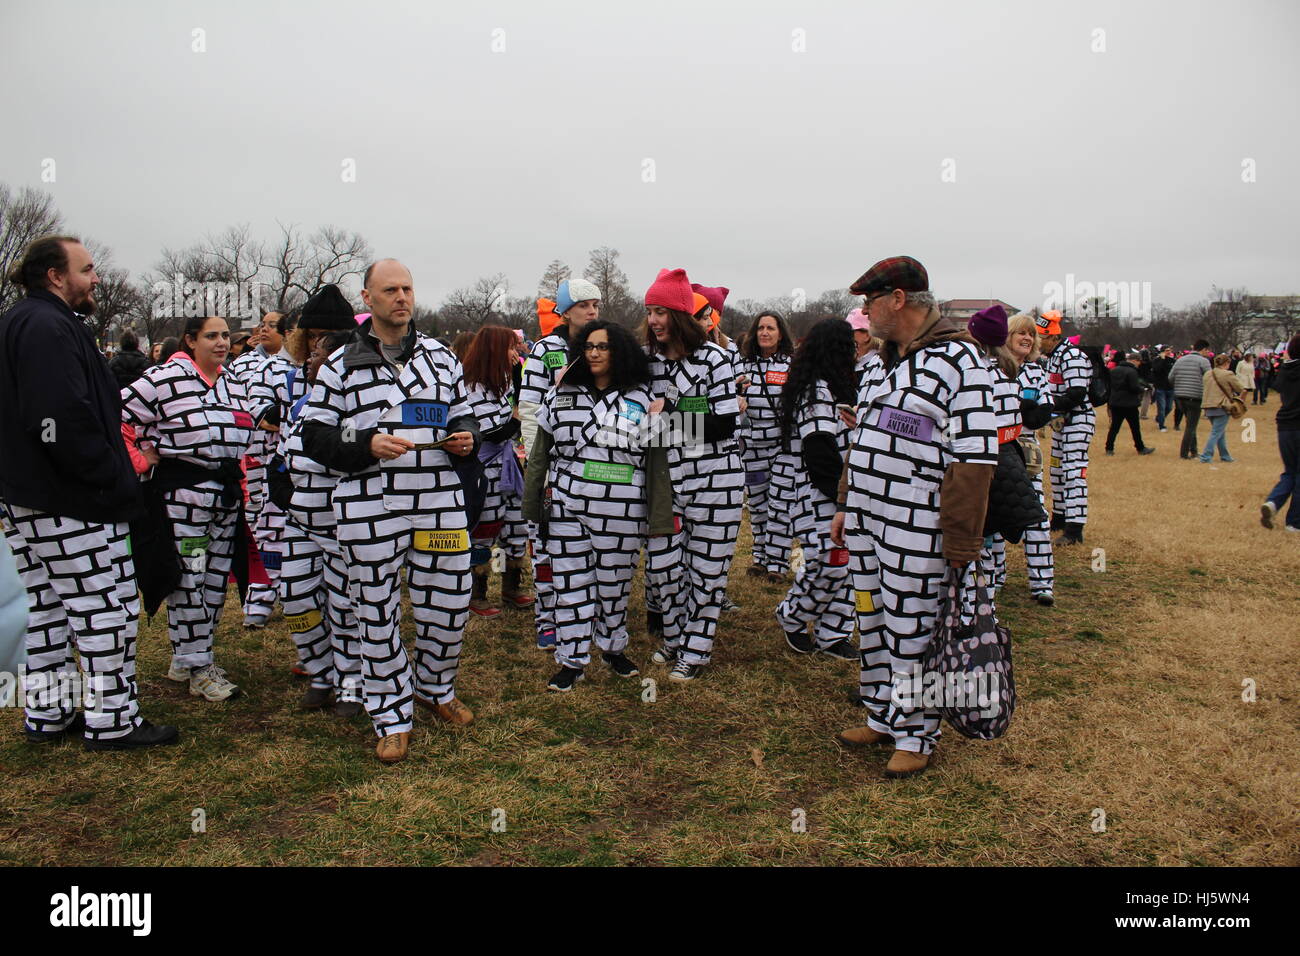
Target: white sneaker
x=209 y=683
x=1292 y=528
x=1266 y=512
x=179 y=674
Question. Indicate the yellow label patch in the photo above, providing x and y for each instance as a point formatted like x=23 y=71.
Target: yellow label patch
x=1056 y=462
x=442 y=540
x=301 y=623
x=862 y=601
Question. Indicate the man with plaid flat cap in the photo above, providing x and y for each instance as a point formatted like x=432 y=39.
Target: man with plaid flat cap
x=913 y=496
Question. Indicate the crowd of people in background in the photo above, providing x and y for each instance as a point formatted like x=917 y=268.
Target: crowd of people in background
x=326 y=458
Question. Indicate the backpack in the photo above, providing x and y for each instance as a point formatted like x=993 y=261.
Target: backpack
x=1099 y=385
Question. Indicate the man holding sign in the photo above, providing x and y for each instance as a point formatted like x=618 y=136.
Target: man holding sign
x=387 y=412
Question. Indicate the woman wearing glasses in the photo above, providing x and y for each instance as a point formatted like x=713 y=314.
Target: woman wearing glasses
x=586 y=490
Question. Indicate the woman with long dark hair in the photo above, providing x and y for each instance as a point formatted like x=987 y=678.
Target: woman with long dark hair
x=694 y=380
x=762 y=369
x=196 y=417
x=586 y=490
x=822 y=375
x=489 y=383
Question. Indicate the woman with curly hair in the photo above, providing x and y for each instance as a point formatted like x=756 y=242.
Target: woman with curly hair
x=586 y=491
x=489 y=382
x=822 y=375
x=762 y=368
x=695 y=381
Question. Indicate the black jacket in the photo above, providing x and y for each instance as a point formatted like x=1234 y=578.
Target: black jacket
x=1126 y=386
x=61 y=447
x=127 y=366
x=1160 y=373
x=1288 y=386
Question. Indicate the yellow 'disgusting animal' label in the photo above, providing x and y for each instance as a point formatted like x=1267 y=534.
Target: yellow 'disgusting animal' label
x=862 y=601
x=302 y=623
x=457 y=540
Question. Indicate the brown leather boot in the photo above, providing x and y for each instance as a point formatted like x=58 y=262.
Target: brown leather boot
x=905 y=763
x=511 y=591
x=454 y=712
x=393 y=748
x=478 y=601
x=862 y=737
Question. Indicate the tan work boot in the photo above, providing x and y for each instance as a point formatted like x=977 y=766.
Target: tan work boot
x=478 y=601
x=512 y=592
x=906 y=763
x=392 y=748
x=453 y=711
x=862 y=737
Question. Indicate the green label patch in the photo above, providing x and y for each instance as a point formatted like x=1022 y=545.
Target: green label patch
x=191 y=546
x=694 y=405
x=555 y=360
x=609 y=472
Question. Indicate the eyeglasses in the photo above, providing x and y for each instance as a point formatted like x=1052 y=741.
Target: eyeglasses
x=868 y=299
x=596 y=347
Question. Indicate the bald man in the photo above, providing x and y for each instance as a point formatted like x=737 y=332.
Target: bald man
x=388 y=412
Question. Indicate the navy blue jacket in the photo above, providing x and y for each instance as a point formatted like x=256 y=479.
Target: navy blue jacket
x=61 y=447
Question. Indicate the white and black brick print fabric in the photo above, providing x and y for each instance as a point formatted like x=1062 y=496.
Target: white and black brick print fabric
x=934 y=407
x=596 y=520
x=547 y=358
x=501 y=519
x=687 y=571
x=405 y=513
x=81 y=596
x=1068 y=367
x=760 y=433
x=821 y=594
x=173 y=407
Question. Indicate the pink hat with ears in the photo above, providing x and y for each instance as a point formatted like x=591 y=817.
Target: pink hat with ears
x=858 y=321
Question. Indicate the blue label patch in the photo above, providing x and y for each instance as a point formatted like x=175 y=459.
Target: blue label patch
x=633 y=411
x=425 y=414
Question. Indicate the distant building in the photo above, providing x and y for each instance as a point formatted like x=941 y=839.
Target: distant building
x=961 y=310
x=1270 y=319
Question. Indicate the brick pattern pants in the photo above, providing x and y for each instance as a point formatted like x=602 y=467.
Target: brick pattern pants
x=81 y=594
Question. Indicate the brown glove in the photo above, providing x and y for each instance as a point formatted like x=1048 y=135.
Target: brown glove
x=963 y=501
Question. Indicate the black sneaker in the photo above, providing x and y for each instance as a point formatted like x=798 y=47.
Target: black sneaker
x=621 y=665
x=683 y=671
x=317 y=698
x=1111 y=452
x=799 y=642
x=565 y=679
x=665 y=653
x=1146 y=451
x=729 y=605
x=1044 y=598
x=841 y=649
x=654 y=623
x=146 y=735
x=76 y=727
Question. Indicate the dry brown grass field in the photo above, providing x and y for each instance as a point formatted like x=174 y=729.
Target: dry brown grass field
x=1131 y=703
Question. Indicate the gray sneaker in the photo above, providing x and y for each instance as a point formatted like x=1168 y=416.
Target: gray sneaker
x=210 y=684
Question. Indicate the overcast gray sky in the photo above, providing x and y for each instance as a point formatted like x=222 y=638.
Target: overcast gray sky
x=774 y=168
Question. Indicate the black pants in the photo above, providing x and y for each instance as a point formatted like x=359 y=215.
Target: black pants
x=1191 y=409
x=1118 y=416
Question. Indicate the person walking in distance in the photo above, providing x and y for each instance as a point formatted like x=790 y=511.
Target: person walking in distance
x=1287 y=384
x=1069 y=373
x=1220 y=387
x=68 y=489
x=1126 y=391
x=1188 y=380
x=387 y=412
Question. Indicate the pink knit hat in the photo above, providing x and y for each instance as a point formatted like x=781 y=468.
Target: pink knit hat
x=671 y=290
x=716 y=296
x=858 y=321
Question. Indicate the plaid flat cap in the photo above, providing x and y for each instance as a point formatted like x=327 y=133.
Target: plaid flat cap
x=896 y=272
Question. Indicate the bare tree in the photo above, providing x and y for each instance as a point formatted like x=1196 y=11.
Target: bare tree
x=299 y=267
x=616 y=302
x=24 y=217
x=468 y=308
x=1226 y=317
x=555 y=273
